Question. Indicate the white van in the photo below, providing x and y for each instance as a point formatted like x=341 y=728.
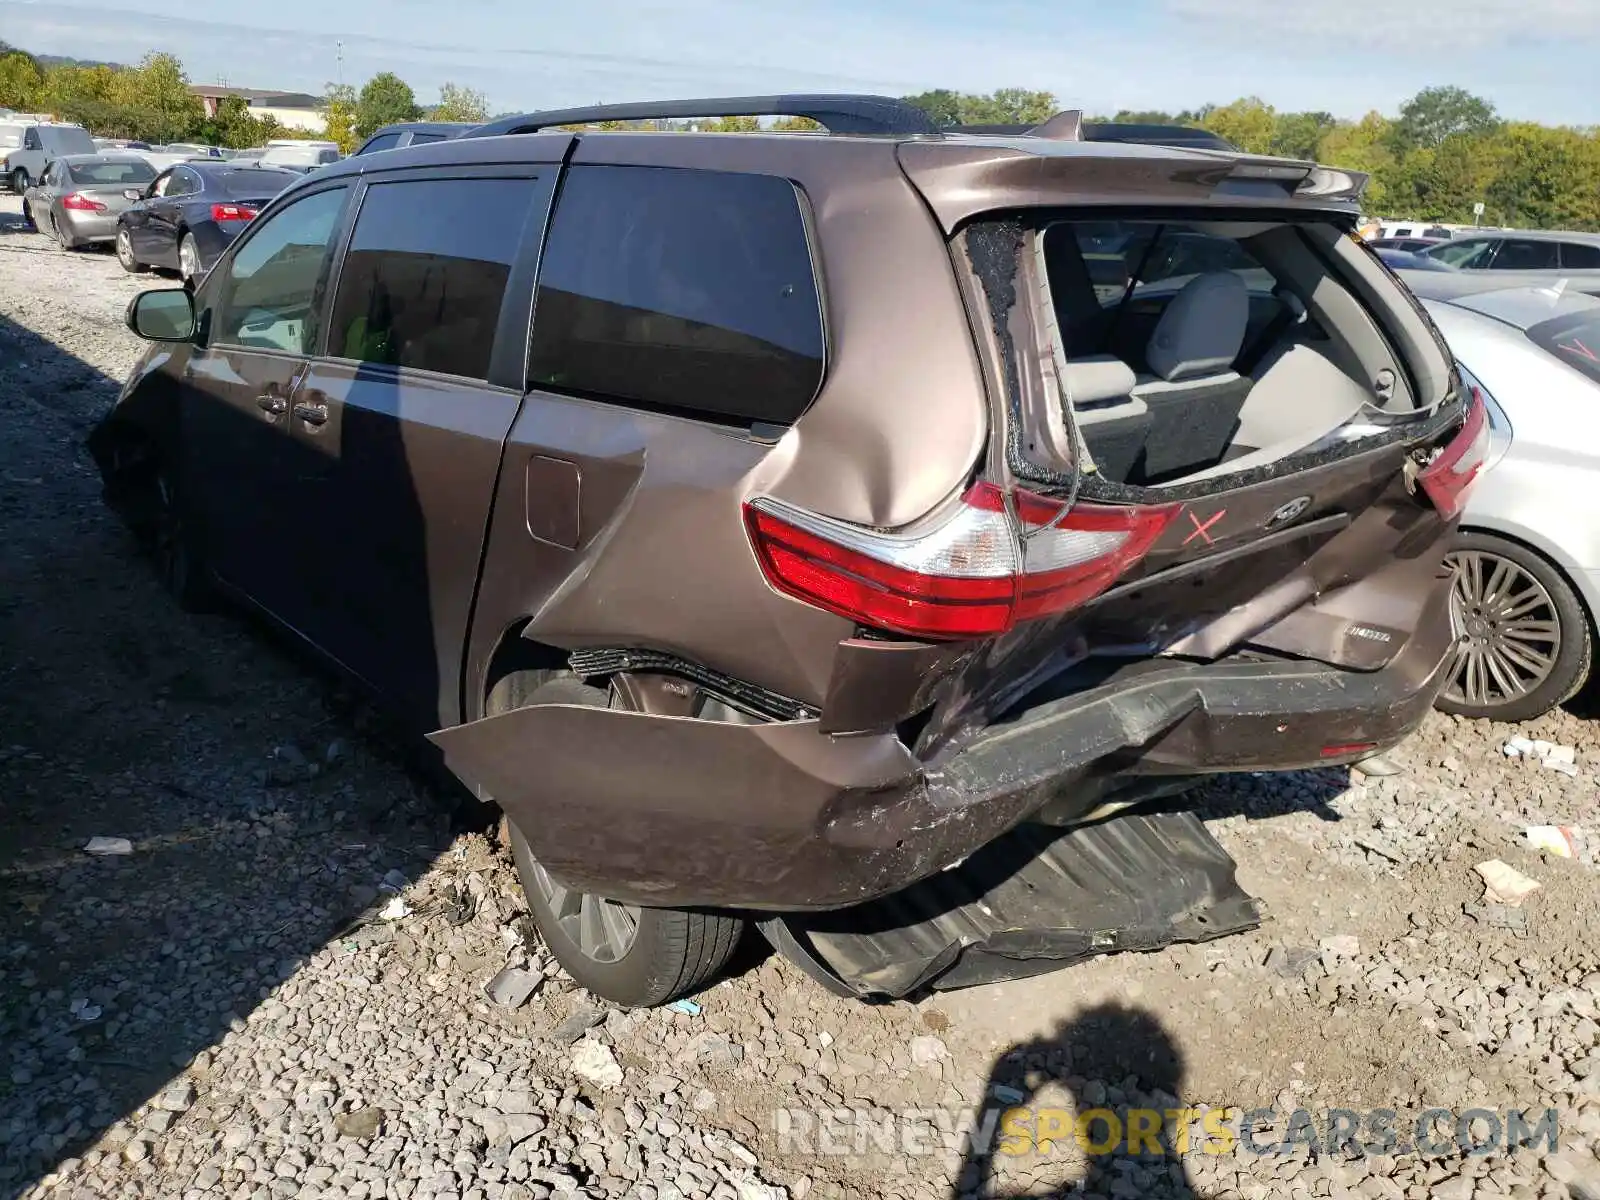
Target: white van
x=25 y=149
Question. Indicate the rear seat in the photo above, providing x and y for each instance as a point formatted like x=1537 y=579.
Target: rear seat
x=1182 y=416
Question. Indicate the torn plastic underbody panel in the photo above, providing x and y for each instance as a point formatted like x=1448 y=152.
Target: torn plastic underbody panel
x=1036 y=900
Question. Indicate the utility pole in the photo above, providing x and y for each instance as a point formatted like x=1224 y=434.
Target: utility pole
x=339 y=70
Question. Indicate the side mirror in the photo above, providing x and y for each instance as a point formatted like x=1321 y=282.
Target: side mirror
x=163 y=315
x=132 y=194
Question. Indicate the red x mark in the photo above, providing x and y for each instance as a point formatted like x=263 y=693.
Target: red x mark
x=1200 y=528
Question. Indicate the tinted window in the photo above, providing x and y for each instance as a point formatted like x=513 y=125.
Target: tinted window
x=691 y=290
x=418 y=139
x=1467 y=254
x=384 y=141
x=1518 y=254
x=67 y=141
x=30 y=139
x=1574 y=339
x=271 y=296
x=103 y=173
x=422 y=284
x=1580 y=256
x=253 y=183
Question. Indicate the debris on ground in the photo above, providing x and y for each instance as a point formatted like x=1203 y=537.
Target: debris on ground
x=512 y=986
x=1560 y=840
x=396 y=910
x=1549 y=754
x=582 y=1019
x=594 y=1061
x=105 y=846
x=1504 y=884
x=687 y=1007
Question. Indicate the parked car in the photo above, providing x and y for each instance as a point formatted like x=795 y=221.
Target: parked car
x=186 y=217
x=1405 y=260
x=855 y=617
x=299 y=156
x=1527 y=590
x=1522 y=250
x=78 y=199
x=37 y=144
x=413 y=133
x=1410 y=245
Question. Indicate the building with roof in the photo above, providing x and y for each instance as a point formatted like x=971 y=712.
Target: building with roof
x=292 y=110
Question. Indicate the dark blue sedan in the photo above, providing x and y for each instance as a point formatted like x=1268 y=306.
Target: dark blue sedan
x=188 y=216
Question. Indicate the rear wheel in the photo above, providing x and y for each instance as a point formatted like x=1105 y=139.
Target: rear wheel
x=63 y=239
x=125 y=255
x=171 y=539
x=189 y=259
x=633 y=956
x=1523 y=642
x=19 y=180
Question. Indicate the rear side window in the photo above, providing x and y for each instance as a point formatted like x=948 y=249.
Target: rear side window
x=426 y=273
x=1580 y=256
x=422 y=139
x=1523 y=254
x=384 y=141
x=692 y=291
x=1467 y=254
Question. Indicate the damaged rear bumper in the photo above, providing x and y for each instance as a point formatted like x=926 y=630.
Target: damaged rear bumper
x=674 y=811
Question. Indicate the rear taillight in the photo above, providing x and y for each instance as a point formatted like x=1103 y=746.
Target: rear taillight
x=974 y=574
x=232 y=212
x=1451 y=474
x=78 y=202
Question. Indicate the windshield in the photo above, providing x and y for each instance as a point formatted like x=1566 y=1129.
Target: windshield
x=1459 y=254
x=256 y=182
x=108 y=173
x=1574 y=339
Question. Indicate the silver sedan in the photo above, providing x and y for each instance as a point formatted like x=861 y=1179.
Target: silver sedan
x=1528 y=557
x=77 y=199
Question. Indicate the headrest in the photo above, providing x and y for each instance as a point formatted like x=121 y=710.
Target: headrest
x=1096 y=379
x=1203 y=328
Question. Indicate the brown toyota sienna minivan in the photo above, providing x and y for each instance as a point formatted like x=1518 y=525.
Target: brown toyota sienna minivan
x=852 y=531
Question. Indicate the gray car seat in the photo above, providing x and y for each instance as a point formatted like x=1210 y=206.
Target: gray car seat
x=1193 y=393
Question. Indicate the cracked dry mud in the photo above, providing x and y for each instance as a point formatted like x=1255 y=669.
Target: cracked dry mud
x=222 y=1012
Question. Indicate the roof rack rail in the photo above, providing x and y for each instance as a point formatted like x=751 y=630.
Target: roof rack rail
x=836 y=114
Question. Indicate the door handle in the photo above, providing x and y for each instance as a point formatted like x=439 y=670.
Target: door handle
x=274 y=406
x=312 y=414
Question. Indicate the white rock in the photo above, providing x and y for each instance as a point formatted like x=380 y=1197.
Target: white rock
x=925 y=1051
x=594 y=1061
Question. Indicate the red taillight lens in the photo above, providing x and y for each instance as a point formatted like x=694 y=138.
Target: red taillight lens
x=232 y=212
x=78 y=202
x=1449 y=477
x=974 y=574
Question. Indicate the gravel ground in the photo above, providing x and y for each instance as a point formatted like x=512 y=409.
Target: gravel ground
x=226 y=1012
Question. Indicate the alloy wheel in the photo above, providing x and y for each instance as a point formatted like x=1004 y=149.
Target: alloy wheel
x=603 y=930
x=188 y=260
x=1507 y=630
x=125 y=250
x=169 y=547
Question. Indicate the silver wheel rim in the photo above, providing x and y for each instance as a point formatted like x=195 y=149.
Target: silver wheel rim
x=1507 y=630
x=124 y=248
x=602 y=930
x=188 y=260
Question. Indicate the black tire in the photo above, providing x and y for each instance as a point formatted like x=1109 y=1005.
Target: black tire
x=27 y=217
x=125 y=256
x=174 y=546
x=19 y=180
x=672 y=952
x=1554 y=628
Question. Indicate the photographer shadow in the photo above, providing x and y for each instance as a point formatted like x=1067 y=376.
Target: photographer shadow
x=1124 y=1073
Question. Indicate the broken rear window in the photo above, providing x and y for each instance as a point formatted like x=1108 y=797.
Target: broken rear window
x=1574 y=339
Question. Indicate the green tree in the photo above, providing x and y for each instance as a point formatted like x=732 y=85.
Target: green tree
x=730 y=125
x=339 y=118
x=1362 y=146
x=1300 y=134
x=1249 y=124
x=1545 y=178
x=460 y=104
x=21 y=81
x=1436 y=113
x=385 y=100
x=942 y=105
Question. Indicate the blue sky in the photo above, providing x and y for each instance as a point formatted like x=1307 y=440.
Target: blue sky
x=1529 y=56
